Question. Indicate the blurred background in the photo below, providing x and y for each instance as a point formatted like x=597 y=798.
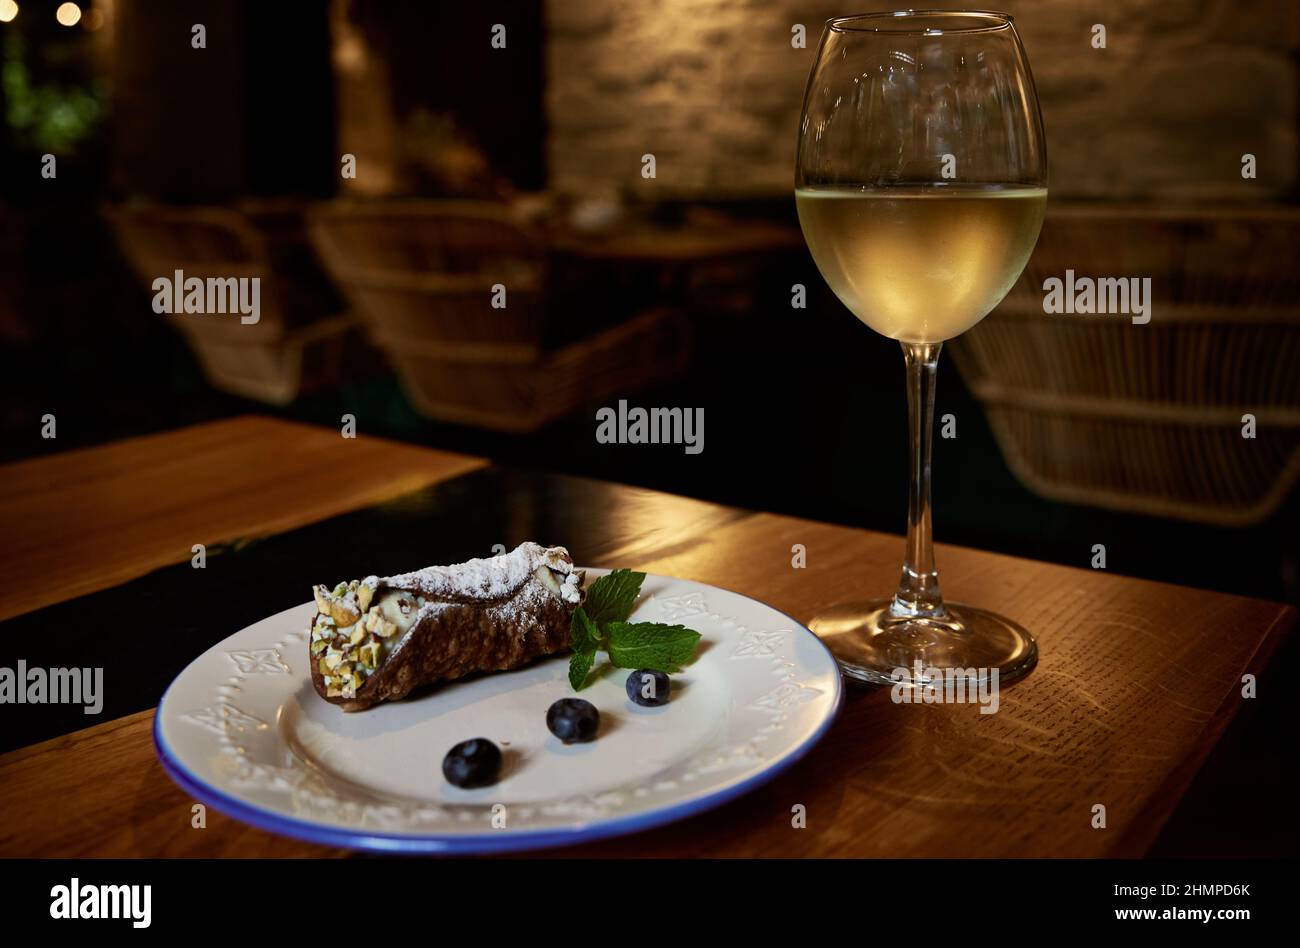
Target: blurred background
x=520 y=163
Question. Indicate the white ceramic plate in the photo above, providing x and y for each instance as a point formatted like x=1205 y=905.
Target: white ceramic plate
x=243 y=730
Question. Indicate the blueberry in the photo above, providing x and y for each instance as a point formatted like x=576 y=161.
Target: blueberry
x=648 y=687
x=573 y=720
x=472 y=763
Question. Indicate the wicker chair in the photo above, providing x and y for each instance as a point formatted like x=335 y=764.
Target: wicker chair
x=299 y=342
x=420 y=273
x=1149 y=418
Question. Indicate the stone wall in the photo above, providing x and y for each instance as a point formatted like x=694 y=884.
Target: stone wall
x=713 y=89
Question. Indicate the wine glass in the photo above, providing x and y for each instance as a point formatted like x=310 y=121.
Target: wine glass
x=920 y=181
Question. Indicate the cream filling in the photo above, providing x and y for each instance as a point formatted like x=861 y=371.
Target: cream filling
x=401 y=609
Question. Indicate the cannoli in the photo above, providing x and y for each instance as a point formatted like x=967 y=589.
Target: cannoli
x=375 y=640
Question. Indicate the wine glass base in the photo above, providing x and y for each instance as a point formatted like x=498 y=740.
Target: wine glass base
x=873 y=645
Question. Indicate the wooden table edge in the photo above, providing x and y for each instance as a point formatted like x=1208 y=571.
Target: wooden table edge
x=1142 y=833
x=457 y=465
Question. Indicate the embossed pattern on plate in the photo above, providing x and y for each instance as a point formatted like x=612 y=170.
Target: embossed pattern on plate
x=242 y=729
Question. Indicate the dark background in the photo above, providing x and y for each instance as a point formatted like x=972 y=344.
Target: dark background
x=804 y=409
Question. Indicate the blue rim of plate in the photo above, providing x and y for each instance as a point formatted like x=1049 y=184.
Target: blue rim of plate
x=494 y=841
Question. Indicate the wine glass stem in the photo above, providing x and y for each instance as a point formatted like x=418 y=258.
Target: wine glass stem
x=918 y=589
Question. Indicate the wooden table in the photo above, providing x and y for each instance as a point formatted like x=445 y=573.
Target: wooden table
x=1136 y=681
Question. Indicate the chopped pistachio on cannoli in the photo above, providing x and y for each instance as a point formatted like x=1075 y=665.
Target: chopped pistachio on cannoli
x=375 y=640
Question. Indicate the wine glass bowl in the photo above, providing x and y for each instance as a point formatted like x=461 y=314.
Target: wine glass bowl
x=920 y=183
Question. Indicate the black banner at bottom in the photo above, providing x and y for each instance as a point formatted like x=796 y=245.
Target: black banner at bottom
x=364 y=896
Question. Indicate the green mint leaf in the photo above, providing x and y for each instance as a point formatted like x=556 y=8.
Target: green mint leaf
x=583 y=634
x=580 y=663
x=611 y=598
x=654 y=645
x=584 y=639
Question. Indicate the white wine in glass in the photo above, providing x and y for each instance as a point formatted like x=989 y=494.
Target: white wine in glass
x=920 y=182
x=921 y=264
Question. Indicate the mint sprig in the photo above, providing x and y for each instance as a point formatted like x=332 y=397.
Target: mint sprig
x=600 y=623
x=611 y=598
x=653 y=645
x=584 y=639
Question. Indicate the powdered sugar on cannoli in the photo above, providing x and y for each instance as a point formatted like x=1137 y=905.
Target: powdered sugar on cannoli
x=498 y=577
